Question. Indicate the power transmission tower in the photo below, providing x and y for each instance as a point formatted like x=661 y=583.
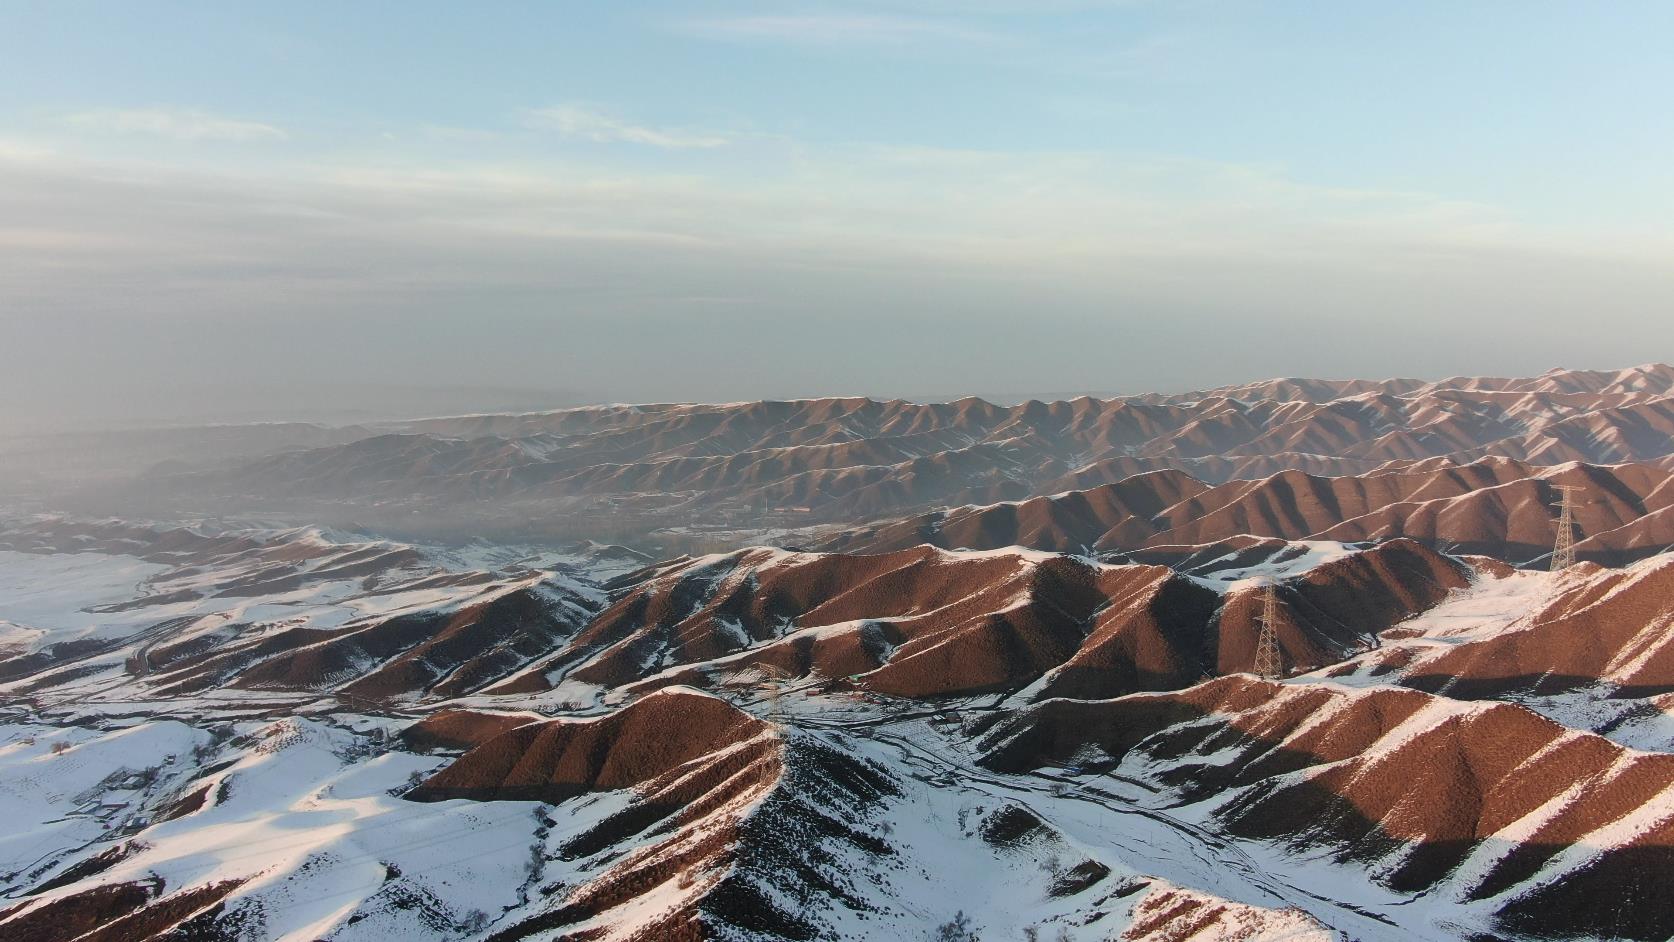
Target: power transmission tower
x=1268 y=661
x=773 y=679
x=1563 y=548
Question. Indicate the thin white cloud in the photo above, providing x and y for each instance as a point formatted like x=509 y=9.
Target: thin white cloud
x=831 y=30
x=22 y=150
x=1144 y=269
x=454 y=135
x=595 y=125
x=180 y=124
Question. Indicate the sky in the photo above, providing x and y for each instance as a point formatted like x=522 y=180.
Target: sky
x=220 y=209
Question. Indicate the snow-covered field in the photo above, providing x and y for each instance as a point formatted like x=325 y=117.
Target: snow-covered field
x=49 y=599
x=286 y=805
x=304 y=813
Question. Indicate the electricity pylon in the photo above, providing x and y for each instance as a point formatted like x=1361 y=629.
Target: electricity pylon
x=772 y=679
x=1563 y=548
x=1268 y=661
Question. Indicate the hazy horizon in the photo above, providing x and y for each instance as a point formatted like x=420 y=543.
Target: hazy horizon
x=331 y=405
x=220 y=213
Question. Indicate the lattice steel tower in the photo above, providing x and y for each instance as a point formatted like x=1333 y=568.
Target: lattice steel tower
x=1268 y=661
x=771 y=687
x=1563 y=548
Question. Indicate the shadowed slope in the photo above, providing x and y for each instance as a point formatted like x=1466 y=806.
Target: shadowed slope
x=1494 y=507
x=643 y=468
x=726 y=820
x=927 y=623
x=1614 y=627
x=558 y=759
x=1486 y=804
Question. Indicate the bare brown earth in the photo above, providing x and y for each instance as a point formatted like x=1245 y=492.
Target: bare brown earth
x=920 y=622
x=628 y=470
x=916 y=623
x=1495 y=507
x=558 y=759
x=1176 y=915
x=438 y=652
x=1174 y=635
x=926 y=623
x=1487 y=805
x=701 y=773
x=1123 y=633
x=1600 y=628
x=433 y=653
x=696 y=762
x=460 y=729
x=1475 y=802
x=122 y=912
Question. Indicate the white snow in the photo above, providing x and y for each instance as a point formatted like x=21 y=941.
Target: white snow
x=306 y=809
x=45 y=599
x=1298 y=557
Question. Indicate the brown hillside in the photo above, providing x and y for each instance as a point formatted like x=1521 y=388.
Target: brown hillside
x=1496 y=507
x=1474 y=801
x=1609 y=626
x=558 y=759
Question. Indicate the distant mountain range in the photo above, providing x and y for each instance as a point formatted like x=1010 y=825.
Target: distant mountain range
x=663 y=475
x=828 y=694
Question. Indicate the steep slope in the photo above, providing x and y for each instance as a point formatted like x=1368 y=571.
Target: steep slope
x=282 y=828
x=553 y=760
x=676 y=817
x=917 y=623
x=929 y=623
x=1493 y=506
x=1030 y=714
x=725 y=823
x=438 y=651
x=1487 y=807
x=1108 y=791
x=460 y=729
x=889 y=618
x=1610 y=631
x=176 y=612
x=1172 y=632
x=638 y=470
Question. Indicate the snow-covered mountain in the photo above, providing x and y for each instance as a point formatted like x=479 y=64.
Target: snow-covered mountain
x=1033 y=719
x=687 y=476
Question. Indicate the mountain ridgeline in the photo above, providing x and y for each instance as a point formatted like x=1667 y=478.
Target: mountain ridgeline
x=677 y=476
x=866 y=670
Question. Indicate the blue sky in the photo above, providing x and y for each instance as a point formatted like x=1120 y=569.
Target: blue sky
x=720 y=200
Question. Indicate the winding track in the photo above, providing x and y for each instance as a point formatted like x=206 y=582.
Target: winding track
x=1212 y=853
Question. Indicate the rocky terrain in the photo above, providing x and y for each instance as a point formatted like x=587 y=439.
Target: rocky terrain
x=676 y=477
x=1034 y=713
x=1491 y=506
